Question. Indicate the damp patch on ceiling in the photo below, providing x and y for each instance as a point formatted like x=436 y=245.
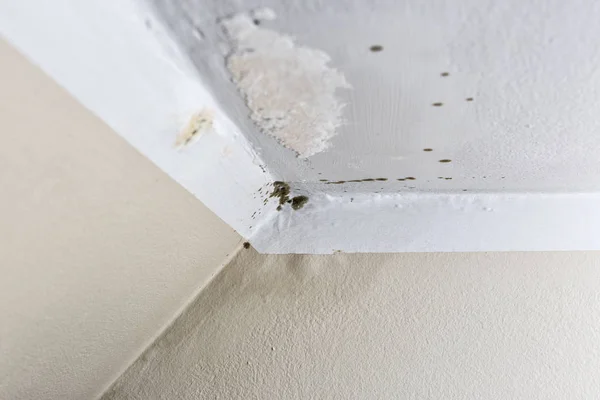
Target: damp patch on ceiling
x=289 y=89
x=198 y=124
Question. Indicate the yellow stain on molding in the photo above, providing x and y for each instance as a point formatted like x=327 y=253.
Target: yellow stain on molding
x=199 y=123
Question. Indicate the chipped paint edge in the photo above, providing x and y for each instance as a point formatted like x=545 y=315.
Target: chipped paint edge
x=128 y=71
x=422 y=222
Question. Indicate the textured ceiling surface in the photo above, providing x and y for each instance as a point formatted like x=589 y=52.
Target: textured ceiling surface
x=505 y=92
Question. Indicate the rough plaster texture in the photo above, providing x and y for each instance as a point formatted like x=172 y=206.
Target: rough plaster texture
x=98 y=248
x=462 y=326
x=290 y=89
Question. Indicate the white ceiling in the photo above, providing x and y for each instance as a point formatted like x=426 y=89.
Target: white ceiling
x=531 y=69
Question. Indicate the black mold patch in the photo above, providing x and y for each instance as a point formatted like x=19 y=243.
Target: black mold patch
x=282 y=191
x=299 y=201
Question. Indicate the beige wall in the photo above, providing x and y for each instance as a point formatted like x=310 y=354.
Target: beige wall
x=98 y=248
x=491 y=326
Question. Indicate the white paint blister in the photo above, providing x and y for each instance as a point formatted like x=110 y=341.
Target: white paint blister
x=289 y=89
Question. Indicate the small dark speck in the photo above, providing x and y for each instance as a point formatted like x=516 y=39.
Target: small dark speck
x=323 y=180
x=445 y=160
x=437 y=104
x=447 y=179
x=401 y=179
x=440 y=177
x=469 y=99
x=256 y=22
x=445 y=74
x=246 y=245
x=375 y=48
x=464 y=190
x=503 y=177
x=428 y=149
x=410 y=178
x=351 y=199
x=381 y=179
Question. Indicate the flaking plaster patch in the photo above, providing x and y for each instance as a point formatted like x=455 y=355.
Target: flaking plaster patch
x=289 y=89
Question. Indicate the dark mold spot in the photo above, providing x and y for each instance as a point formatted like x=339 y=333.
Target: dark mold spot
x=298 y=202
x=427 y=149
x=376 y=48
x=445 y=74
x=381 y=179
x=437 y=104
x=445 y=160
x=246 y=245
x=282 y=191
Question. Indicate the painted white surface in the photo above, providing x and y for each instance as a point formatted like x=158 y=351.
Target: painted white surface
x=491 y=326
x=115 y=57
x=516 y=86
x=380 y=223
x=99 y=249
x=530 y=67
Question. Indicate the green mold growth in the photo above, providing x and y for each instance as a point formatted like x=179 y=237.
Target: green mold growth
x=282 y=191
x=298 y=202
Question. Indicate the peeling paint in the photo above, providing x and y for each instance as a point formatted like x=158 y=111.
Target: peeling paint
x=199 y=123
x=289 y=89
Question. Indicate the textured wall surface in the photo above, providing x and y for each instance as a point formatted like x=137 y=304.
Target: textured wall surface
x=414 y=326
x=98 y=248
